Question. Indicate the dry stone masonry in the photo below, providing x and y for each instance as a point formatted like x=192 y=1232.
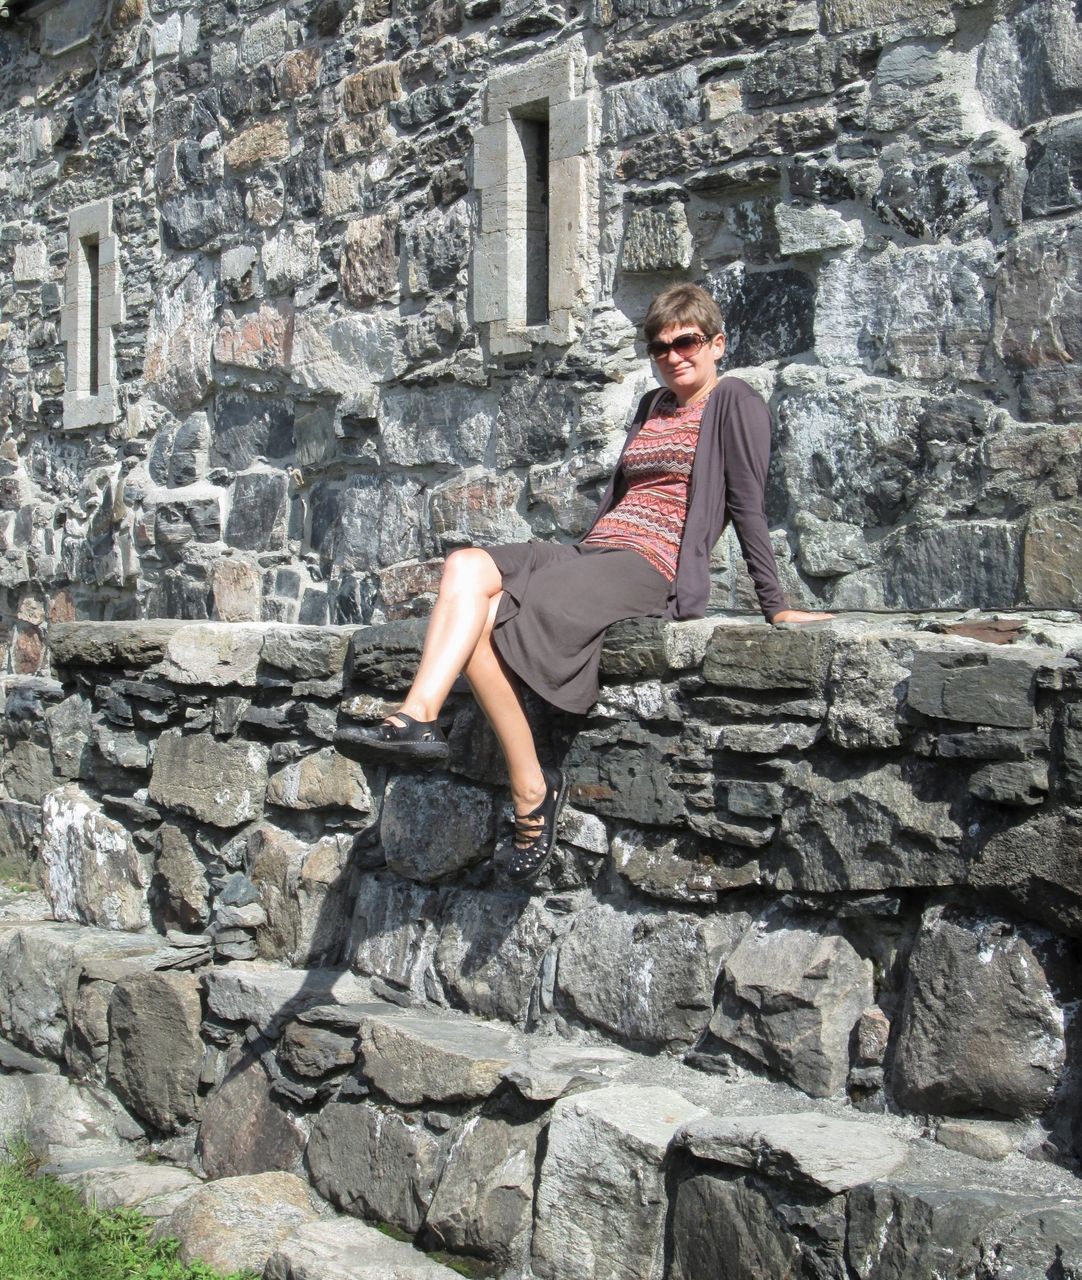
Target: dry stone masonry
x=296 y=296
x=799 y=992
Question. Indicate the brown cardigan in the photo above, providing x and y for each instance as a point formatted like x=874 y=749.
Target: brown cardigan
x=728 y=482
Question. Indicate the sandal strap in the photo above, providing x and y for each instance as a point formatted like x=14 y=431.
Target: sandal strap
x=412 y=730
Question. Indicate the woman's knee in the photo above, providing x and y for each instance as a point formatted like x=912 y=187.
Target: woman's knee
x=470 y=569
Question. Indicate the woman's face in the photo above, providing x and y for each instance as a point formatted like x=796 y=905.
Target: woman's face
x=689 y=373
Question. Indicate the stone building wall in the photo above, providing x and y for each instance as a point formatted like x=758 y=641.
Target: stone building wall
x=312 y=379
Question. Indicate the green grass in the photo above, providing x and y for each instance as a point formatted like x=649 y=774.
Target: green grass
x=46 y=1233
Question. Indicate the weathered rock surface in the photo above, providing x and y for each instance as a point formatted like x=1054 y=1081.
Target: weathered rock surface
x=344 y=1250
x=834 y=1155
x=92 y=870
x=982 y=1029
x=597 y=1141
x=414 y=1059
x=790 y=998
x=237 y=1223
x=155 y=1048
x=375 y=1163
x=218 y=782
x=243 y=1130
x=416 y=806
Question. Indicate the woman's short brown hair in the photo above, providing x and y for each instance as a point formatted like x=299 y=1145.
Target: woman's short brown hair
x=683 y=304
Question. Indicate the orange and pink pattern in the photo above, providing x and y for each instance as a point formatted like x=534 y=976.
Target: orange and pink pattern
x=650 y=517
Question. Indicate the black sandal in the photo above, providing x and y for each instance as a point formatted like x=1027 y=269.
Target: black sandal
x=412 y=742
x=533 y=845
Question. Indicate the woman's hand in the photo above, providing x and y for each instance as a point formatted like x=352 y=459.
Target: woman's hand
x=799 y=615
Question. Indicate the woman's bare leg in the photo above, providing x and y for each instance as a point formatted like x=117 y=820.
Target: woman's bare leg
x=468 y=587
x=458 y=640
x=497 y=691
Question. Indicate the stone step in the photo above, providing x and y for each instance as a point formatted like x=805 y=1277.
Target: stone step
x=344 y=1249
x=517 y=1146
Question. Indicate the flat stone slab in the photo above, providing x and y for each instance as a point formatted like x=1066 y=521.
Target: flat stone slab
x=415 y=1057
x=111 y=644
x=601 y=1202
x=836 y=1155
x=548 y=1072
x=131 y=1184
x=343 y=1249
x=214 y=654
x=268 y=996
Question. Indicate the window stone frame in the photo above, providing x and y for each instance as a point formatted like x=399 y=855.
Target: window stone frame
x=554 y=82
x=82 y=408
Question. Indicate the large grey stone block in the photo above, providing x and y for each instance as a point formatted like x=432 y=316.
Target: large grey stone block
x=790 y=998
x=806 y=1148
x=644 y=975
x=599 y=1144
x=155 y=1048
x=341 y=1249
x=375 y=1163
x=483 y=1204
x=243 y=1130
x=982 y=1029
x=432 y=826
x=909 y=1230
x=268 y=996
x=415 y=1057
x=218 y=782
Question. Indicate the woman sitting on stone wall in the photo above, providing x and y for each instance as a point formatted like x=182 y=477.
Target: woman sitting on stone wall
x=695 y=458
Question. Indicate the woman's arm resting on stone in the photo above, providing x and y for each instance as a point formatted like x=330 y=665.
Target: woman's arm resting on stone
x=747 y=457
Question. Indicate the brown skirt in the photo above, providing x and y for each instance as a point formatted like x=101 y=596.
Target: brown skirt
x=558 y=598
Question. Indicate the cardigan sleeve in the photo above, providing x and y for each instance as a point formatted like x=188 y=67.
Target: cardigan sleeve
x=747 y=457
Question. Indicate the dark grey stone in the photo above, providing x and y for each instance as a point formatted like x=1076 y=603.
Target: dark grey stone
x=1018 y=783
x=257 y=517
x=243 y=1130
x=809 y=70
x=1055 y=171
x=627 y=773
x=926 y=199
x=199 y=219
x=1035 y=862
x=912 y=1230
x=760 y=658
x=975 y=686
x=729 y=1228
x=386 y=657
x=769 y=315
x=981 y=1026
x=953 y=565
x=374 y=1163
x=250 y=428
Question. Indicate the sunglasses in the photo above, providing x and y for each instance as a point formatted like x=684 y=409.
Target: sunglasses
x=685 y=345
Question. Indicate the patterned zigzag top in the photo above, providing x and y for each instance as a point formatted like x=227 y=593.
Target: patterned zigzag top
x=650 y=517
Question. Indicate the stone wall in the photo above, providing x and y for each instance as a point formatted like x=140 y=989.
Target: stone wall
x=315 y=398
x=807 y=953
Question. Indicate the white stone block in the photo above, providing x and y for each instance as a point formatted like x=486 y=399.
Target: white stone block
x=492 y=145
x=568 y=219
x=31 y=263
x=813 y=230
x=167 y=37
x=573 y=127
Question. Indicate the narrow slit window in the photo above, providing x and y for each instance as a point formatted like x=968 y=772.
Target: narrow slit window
x=535 y=258
x=534 y=138
x=91 y=258
x=93 y=307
